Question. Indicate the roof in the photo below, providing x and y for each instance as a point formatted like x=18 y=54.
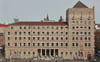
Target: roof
x=79 y=4
x=39 y=23
x=3 y=25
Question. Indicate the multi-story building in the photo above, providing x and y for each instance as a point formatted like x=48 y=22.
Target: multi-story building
x=2 y=28
x=70 y=39
x=97 y=38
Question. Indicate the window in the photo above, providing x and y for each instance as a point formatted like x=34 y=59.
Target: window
x=56 y=32
x=56 y=38
x=15 y=44
x=89 y=44
x=33 y=53
x=19 y=33
x=52 y=27
x=72 y=44
x=47 y=38
x=15 y=33
x=20 y=27
x=61 y=38
x=89 y=33
x=8 y=38
x=47 y=44
x=38 y=44
x=73 y=27
x=42 y=38
x=81 y=33
x=52 y=44
x=33 y=32
x=42 y=44
x=38 y=33
x=61 y=32
x=61 y=53
x=47 y=33
x=29 y=38
x=61 y=27
x=24 y=38
x=61 y=44
x=66 y=33
x=70 y=53
x=33 y=44
x=89 y=27
x=24 y=33
x=19 y=38
x=77 y=27
x=11 y=27
x=24 y=52
x=28 y=52
x=66 y=38
x=15 y=38
x=33 y=38
x=24 y=27
x=52 y=32
x=52 y=38
x=28 y=44
x=85 y=44
x=8 y=33
x=29 y=33
x=20 y=44
x=56 y=27
x=81 y=38
x=38 y=38
x=24 y=44
x=85 y=38
x=66 y=44
x=89 y=38
x=42 y=32
x=73 y=32
x=76 y=44
x=85 y=33
x=8 y=44
x=81 y=27
x=56 y=44
x=73 y=38
x=76 y=38
x=76 y=33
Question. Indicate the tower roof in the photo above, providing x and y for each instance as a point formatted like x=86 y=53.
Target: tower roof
x=79 y=4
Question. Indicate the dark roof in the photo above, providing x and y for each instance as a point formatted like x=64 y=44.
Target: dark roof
x=39 y=23
x=3 y=25
x=79 y=4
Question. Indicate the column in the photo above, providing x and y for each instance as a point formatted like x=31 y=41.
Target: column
x=54 y=52
x=41 y=52
x=49 y=52
x=45 y=52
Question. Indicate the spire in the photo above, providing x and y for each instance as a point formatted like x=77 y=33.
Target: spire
x=79 y=4
x=47 y=17
x=61 y=19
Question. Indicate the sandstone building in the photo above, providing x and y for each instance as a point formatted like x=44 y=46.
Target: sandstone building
x=70 y=39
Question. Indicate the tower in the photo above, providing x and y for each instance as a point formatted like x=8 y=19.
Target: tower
x=80 y=20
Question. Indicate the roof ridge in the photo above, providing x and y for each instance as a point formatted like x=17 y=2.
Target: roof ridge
x=79 y=4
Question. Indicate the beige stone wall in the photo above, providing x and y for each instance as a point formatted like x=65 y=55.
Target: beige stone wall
x=69 y=52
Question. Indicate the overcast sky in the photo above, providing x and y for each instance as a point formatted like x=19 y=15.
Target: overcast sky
x=36 y=10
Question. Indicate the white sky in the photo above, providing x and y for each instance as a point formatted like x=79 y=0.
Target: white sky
x=36 y=10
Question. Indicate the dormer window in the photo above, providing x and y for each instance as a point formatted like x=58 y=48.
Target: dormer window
x=81 y=16
x=89 y=16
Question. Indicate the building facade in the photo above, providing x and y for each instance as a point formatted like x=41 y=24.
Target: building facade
x=72 y=39
x=97 y=38
x=2 y=29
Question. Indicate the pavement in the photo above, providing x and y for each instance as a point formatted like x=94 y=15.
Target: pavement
x=2 y=59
